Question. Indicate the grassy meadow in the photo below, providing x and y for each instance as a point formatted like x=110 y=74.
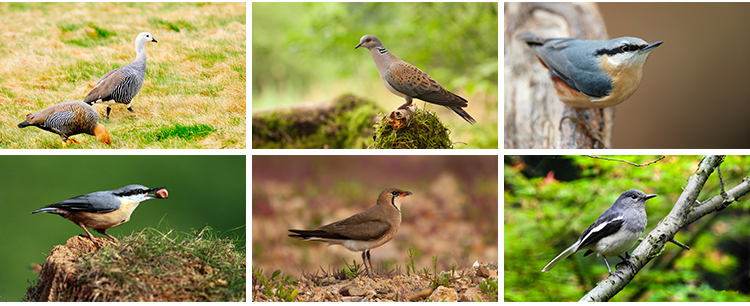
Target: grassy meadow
x=194 y=92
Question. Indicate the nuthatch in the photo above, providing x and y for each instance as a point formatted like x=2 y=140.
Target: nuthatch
x=592 y=73
x=104 y=209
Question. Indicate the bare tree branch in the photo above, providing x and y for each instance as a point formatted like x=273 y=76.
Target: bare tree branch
x=625 y=161
x=685 y=211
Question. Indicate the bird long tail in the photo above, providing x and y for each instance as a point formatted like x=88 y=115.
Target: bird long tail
x=461 y=112
x=569 y=251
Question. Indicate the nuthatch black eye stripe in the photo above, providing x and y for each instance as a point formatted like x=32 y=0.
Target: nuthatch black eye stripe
x=622 y=49
x=592 y=73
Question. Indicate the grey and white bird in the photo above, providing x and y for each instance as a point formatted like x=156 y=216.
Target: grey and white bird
x=67 y=119
x=614 y=232
x=407 y=81
x=122 y=84
x=104 y=209
x=364 y=231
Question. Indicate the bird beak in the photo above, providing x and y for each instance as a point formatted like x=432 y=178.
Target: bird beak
x=359 y=45
x=406 y=193
x=652 y=46
x=648 y=196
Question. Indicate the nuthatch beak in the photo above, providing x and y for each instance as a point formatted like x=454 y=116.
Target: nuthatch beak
x=592 y=73
x=104 y=209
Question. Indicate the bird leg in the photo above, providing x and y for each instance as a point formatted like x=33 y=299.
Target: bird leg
x=405 y=105
x=607 y=263
x=364 y=261
x=108 y=110
x=610 y=270
x=104 y=232
x=90 y=236
x=370 y=262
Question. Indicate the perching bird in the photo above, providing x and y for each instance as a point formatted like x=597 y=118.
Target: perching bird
x=364 y=231
x=67 y=119
x=122 y=84
x=407 y=81
x=104 y=209
x=614 y=232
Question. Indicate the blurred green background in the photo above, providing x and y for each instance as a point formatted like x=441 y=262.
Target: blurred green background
x=203 y=191
x=304 y=52
x=550 y=200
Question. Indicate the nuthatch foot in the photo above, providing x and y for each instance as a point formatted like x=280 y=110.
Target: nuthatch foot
x=592 y=73
x=104 y=209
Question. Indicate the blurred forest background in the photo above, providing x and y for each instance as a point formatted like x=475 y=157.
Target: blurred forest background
x=304 y=52
x=550 y=200
x=452 y=214
x=203 y=191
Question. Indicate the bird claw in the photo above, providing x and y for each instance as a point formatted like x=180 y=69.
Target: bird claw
x=616 y=273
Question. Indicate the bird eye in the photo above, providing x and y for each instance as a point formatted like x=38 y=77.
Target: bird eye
x=395 y=193
x=627 y=48
x=634 y=196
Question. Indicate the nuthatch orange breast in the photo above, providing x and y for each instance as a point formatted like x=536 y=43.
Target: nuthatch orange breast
x=592 y=73
x=104 y=209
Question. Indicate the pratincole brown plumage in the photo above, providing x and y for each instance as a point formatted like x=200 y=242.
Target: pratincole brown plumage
x=364 y=231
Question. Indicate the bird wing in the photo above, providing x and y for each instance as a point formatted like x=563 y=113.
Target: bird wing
x=106 y=85
x=413 y=82
x=54 y=121
x=573 y=68
x=366 y=231
x=361 y=226
x=83 y=203
x=606 y=225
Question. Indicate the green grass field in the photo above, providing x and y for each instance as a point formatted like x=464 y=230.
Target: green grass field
x=194 y=93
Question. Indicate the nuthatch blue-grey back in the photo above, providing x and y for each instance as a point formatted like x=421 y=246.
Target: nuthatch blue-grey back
x=592 y=73
x=104 y=209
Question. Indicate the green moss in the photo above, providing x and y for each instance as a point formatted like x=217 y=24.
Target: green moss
x=346 y=124
x=424 y=132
